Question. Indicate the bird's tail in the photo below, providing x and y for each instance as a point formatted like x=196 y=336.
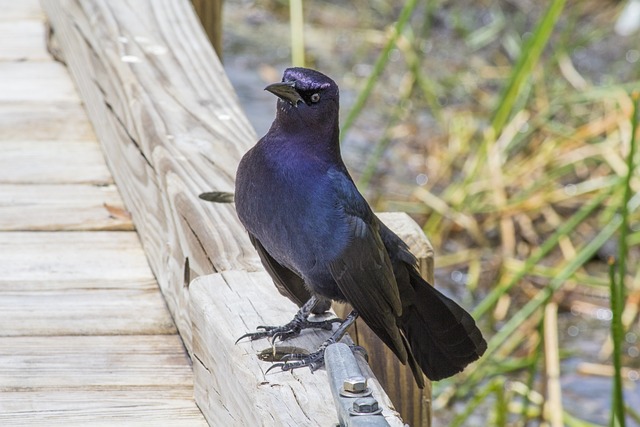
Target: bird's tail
x=442 y=336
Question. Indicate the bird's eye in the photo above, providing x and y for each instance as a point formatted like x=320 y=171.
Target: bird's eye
x=315 y=97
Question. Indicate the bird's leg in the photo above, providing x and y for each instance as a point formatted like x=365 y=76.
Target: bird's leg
x=299 y=322
x=316 y=359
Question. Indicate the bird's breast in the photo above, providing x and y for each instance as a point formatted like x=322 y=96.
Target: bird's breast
x=291 y=209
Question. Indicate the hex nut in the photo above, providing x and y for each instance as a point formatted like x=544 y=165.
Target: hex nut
x=365 y=405
x=355 y=384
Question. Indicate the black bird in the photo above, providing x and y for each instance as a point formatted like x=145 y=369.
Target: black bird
x=320 y=241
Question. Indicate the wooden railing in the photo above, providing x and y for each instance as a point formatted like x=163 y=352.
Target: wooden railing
x=171 y=128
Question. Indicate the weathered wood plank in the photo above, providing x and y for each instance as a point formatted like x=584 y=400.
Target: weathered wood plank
x=42 y=121
x=23 y=9
x=90 y=380
x=127 y=362
x=81 y=408
x=52 y=162
x=35 y=81
x=36 y=312
x=71 y=285
x=171 y=128
x=74 y=256
x=22 y=40
x=78 y=283
x=66 y=296
x=227 y=376
x=62 y=207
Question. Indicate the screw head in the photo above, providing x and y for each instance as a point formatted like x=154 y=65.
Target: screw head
x=365 y=405
x=355 y=384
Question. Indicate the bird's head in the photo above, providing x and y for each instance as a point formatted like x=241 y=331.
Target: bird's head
x=306 y=97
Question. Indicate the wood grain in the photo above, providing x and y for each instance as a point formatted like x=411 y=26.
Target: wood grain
x=96 y=380
x=62 y=207
x=52 y=162
x=24 y=9
x=74 y=256
x=35 y=81
x=74 y=407
x=85 y=335
x=210 y=14
x=22 y=40
x=78 y=284
x=171 y=129
x=93 y=363
x=85 y=311
x=42 y=121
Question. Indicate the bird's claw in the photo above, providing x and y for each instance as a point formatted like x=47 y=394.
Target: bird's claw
x=290 y=330
x=291 y=361
x=252 y=336
x=274 y=332
x=298 y=360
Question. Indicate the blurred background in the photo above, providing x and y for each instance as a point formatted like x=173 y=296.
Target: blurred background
x=506 y=129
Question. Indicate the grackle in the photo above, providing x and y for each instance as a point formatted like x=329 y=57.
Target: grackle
x=320 y=241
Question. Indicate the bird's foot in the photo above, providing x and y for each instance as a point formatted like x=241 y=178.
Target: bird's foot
x=289 y=362
x=315 y=360
x=291 y=329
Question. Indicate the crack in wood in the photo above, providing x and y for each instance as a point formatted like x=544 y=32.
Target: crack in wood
x=187 y=273
x=300 y=405
x=195 y=235
x=221 y=171
x=126 y=131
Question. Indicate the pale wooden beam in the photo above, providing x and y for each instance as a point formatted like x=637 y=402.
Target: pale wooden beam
x=171 y=128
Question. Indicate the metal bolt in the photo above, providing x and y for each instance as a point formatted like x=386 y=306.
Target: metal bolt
x=365 y=405
x=355 y=384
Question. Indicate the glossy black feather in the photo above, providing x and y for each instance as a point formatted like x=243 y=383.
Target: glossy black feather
x=288 y=283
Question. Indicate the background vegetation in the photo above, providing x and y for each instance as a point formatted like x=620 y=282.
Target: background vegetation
x=508 y=129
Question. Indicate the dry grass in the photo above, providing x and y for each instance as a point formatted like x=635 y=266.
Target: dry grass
x=524 y=194
x=526 y=169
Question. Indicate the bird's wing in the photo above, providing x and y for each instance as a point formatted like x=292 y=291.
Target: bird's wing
x=363 y=271
x=289 y=284
x=364 y=275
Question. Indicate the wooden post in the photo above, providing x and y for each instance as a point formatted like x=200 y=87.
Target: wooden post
x=210 y=14
x=171 y=128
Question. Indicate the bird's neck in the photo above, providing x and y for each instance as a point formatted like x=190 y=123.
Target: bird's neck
x=320 y=141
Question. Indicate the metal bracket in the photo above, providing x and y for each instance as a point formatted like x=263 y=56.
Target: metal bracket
x=355 y=405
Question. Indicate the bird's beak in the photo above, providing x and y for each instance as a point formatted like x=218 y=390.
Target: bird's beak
x=285 y=91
